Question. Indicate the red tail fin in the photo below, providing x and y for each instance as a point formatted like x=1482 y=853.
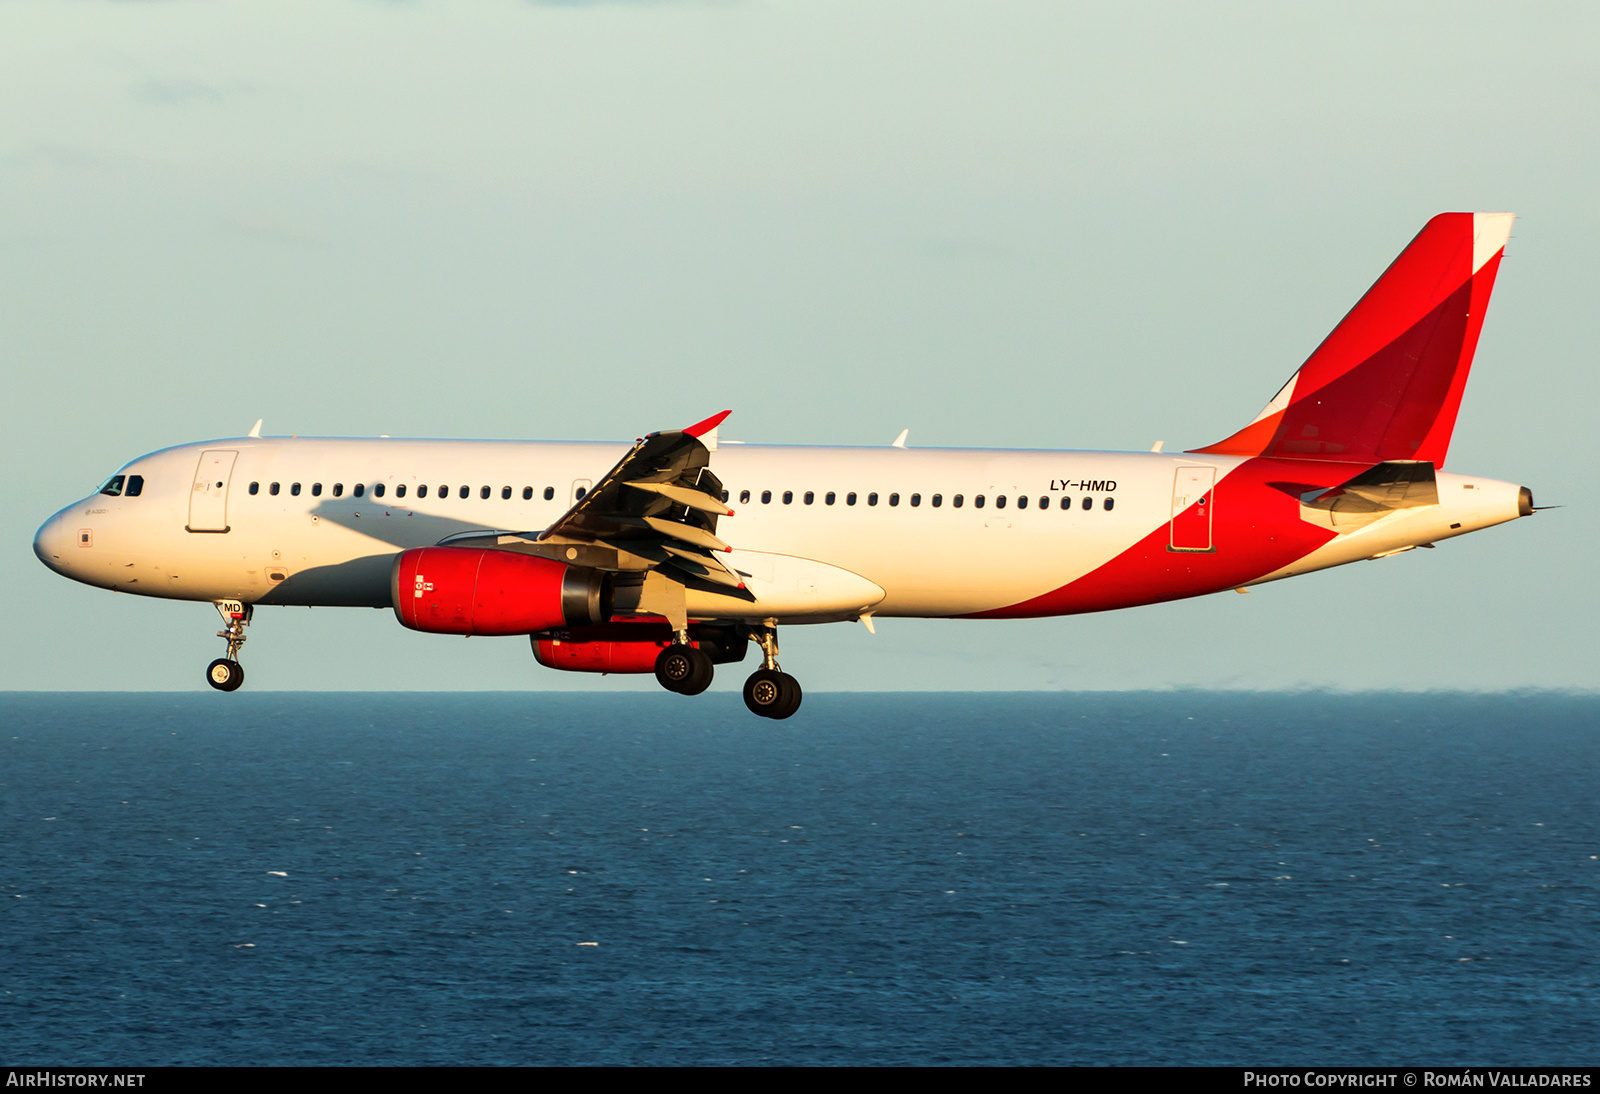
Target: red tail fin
x=1386 y=384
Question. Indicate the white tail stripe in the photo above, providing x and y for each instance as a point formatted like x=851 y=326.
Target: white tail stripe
x=1489 y=234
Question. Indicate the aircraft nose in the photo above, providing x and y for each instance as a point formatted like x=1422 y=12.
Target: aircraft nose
x=53 y=541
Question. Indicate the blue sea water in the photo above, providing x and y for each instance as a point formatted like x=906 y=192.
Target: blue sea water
x=1183 y=878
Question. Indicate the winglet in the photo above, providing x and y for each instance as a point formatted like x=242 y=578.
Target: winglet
x=700 y=429
x=255 y=430
x=900 y=441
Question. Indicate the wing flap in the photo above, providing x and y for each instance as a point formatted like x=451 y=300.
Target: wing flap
x=694 y=499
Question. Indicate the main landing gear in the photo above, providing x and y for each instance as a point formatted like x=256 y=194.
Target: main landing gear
x=225 y=673
x=683 y=668
x=770 y=692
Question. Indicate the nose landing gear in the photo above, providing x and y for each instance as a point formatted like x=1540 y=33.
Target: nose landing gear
x=225 y=673
x=770 y=692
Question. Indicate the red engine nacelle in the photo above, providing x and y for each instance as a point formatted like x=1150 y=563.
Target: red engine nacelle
x=631 y=644
x=472 y=590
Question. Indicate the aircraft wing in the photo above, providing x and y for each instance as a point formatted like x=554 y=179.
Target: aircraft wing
x=660 y=503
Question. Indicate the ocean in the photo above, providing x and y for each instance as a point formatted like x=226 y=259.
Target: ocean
x=1034 y=878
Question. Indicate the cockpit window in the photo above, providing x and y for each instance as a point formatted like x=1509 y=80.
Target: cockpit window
x=114 y=487
x=135 y=486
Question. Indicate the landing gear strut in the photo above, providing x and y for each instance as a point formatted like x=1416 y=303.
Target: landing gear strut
x=771 y=692
x=684 y=668
x=225 y=673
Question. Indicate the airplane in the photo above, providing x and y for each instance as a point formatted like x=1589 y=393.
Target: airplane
x=688 y=550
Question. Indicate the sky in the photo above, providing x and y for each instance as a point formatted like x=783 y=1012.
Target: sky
x=1033 y=225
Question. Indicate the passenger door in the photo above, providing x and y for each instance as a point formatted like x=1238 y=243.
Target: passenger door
x=1193 y=509
x=208 y=500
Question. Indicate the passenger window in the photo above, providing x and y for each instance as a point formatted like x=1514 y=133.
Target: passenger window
x=505 y=493
x=377 y=490
x=549 y=493
x=294 y=489
x=999 y=501
x=338 y=489
x=580 y=492
x=400 y=491
x=977 y=502
x=956 y=501
x=484 y=493
x=937 y=500
x=113 y=487
x=527 y=493
x=872 y=499
x=829 y=498
x=316 y=490
x=1088 y=503
x=850 y=498
x=766 y=497
x=1108 y=503
x=273 y=489
x=1044 y=503
x=422 y=491
x=788 y=496
x=744 y=497
x=725 y=496
x=1022 y=502
x=894 y=499
x=916 y=500
x=255 y=488
x=1066 y=503
x=809 y=498
x=360 y=488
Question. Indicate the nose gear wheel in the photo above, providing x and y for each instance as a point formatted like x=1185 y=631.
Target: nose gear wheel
x=225 y=675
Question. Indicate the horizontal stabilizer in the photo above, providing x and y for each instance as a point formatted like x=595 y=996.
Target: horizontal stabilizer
x=1387 y=383
x=1385 y=488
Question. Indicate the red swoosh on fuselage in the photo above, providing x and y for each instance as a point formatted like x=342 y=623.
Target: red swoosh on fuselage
x=1256 y=529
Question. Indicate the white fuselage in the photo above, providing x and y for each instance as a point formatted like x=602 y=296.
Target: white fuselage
x=286 y=525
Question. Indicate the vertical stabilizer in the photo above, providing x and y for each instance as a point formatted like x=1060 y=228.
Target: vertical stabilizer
x=1387 y=383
